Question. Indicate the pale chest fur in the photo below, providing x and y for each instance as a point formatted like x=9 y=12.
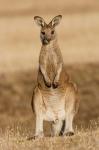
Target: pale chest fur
x=51 y=55
x=51 y=61
x=54 y=105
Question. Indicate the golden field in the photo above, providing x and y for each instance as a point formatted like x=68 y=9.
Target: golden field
x=78 y=36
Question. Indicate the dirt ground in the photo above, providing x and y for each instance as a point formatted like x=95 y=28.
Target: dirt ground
x=78 y=36
x=18 y=121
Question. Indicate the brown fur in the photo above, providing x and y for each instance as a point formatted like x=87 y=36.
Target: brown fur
x=55 y=96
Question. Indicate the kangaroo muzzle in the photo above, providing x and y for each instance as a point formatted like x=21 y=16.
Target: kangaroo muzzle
x=46 y=40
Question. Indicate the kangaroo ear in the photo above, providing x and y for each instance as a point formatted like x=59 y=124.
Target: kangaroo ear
x=56 y=20
x=39 y=21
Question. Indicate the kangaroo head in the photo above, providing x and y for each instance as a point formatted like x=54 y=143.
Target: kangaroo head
x=47 y=30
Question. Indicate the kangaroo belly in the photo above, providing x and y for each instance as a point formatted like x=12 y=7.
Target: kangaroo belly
x=51 y=115
x=54 y=102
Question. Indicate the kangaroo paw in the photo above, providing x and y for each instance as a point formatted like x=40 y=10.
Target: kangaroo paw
x=69 y=133
x=48 y=84
x=55 y=85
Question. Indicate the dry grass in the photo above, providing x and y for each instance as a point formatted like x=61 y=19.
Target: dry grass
x=83 y=140
x=19 y=51
x=16 y=91
x=18 y=122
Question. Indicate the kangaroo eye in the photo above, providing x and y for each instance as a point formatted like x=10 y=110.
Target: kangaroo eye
x=43 y=33
x=52 y=32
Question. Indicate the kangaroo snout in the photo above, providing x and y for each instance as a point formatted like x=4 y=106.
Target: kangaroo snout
x=46 y=40
x=45 y=36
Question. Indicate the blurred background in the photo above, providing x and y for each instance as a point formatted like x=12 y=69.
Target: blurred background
x=78 y=36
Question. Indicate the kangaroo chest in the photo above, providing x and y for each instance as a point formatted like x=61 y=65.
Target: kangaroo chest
x=52 y=57
x=51 y=63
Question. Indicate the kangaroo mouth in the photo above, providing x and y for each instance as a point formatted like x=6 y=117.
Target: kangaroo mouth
x=45 y=41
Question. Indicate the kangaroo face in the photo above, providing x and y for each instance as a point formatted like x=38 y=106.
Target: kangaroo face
x=47 y=33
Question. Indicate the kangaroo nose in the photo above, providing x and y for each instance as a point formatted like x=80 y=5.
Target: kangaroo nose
x=48 y=39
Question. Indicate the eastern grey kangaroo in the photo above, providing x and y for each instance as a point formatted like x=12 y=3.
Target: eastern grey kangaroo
x=55 y=96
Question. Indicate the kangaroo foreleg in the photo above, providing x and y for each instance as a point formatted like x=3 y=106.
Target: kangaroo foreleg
x=56 y=79
x=46 y=78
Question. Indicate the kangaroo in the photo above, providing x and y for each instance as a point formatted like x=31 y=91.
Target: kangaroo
x=55 y=96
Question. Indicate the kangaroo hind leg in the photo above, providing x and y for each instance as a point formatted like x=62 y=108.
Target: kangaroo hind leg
x=70 y=110
x=38 y=107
